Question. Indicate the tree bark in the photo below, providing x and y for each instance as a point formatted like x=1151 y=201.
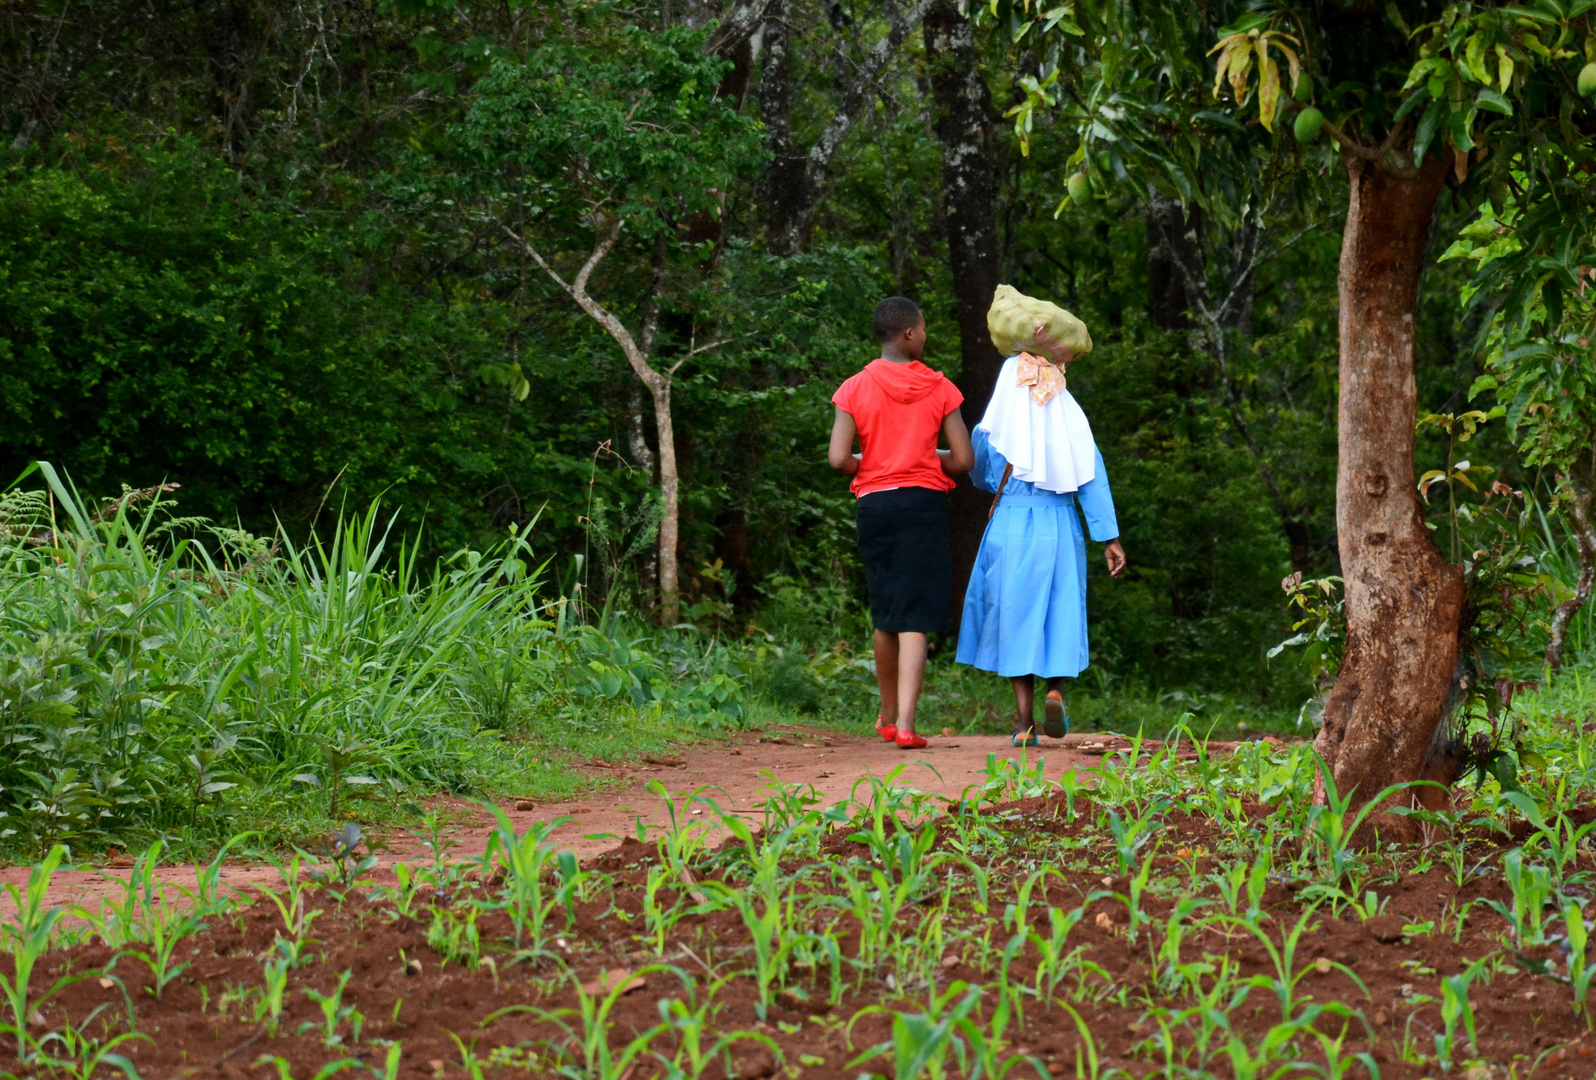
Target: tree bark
x=1174 y=242
x=784 y=172
x=964 y=123
x=740 y=23
x=802 y=189
x=636 y=439
x=1384 y=717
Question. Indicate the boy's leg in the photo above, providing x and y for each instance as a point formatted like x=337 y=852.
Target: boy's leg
x=911 y=649
x=1024 y=703
x=886 y=648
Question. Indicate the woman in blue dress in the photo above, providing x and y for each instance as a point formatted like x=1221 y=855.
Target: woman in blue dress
x=1025 y=608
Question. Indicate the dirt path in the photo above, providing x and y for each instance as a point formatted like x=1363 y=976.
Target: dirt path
x=739 y=774
x=735 y=774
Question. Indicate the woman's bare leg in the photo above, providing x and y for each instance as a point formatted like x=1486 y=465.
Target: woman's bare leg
x=912 y=649
x=886 y=646
x=1024 y=704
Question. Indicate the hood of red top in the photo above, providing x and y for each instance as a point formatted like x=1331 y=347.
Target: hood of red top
x=904 y=383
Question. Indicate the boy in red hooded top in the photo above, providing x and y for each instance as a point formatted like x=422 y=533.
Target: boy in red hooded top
x=897 y=407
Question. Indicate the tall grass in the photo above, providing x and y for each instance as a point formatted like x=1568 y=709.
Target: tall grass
x=1559 y=558
x=161 y=674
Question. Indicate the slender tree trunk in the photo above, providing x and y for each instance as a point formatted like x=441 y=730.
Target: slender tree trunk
x=637 y=350
x=670 y=601
x=1403 y=601
x=232 y=46
x=964 y=125
x=636 y=438
x=1582 y=484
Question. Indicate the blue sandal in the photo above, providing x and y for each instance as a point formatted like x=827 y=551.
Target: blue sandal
x=1016 y=742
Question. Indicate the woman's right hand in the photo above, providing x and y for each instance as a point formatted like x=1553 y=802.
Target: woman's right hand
x=1050 y=346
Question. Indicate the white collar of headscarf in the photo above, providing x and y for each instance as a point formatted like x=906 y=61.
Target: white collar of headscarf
x=1049 y=445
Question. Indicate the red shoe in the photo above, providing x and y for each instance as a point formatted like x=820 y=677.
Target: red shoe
x=888 y=732
x=908 y=740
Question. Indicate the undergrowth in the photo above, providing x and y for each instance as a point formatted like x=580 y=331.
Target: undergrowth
x=167 y=677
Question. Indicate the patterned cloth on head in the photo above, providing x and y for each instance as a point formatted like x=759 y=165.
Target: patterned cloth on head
x=1045 y=379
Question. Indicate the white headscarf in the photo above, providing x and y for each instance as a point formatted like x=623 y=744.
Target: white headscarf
x=1049 y=445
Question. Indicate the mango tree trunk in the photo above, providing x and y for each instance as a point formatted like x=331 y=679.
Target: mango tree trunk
x=1403 y=601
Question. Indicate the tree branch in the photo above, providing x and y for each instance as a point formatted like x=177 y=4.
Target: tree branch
x=1380 y=156
x=738 y=25
x=604 y=242
x=708 y=348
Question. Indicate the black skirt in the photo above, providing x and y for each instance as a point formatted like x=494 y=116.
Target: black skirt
x=903 y=543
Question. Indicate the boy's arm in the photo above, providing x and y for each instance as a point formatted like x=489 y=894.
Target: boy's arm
x=959 y=457
x=840 y=454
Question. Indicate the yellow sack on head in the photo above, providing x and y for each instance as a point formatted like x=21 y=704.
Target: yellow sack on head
x=1012 y=319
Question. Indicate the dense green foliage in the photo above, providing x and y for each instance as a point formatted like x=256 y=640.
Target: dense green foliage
x=275 y=261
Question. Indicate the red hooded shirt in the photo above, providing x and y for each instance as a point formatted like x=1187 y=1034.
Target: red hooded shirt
x=898 y=409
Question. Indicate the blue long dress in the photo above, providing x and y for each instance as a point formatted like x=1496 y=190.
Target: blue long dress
x=1025 y=608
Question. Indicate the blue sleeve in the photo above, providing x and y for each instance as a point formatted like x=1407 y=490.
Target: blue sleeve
x=989 y=464
x=1097 y=503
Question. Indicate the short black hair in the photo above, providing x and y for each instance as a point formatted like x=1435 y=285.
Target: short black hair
x=894 y=315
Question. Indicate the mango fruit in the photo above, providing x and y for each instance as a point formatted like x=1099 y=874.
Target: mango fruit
x=1309 y=123
x=1587 y=79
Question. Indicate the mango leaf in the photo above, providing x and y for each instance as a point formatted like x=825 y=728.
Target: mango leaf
x=1462 y=129
x=1292 y=60
x=1235 y=60
x=1251 y=21
x=1409 y=103
x=1504 y=68
x=1552 y=297
x=1268 y=85
x=1494 y=101
x=1474 y=59
x=1428 y=124
x=1419 y=71
x=1429 y=478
